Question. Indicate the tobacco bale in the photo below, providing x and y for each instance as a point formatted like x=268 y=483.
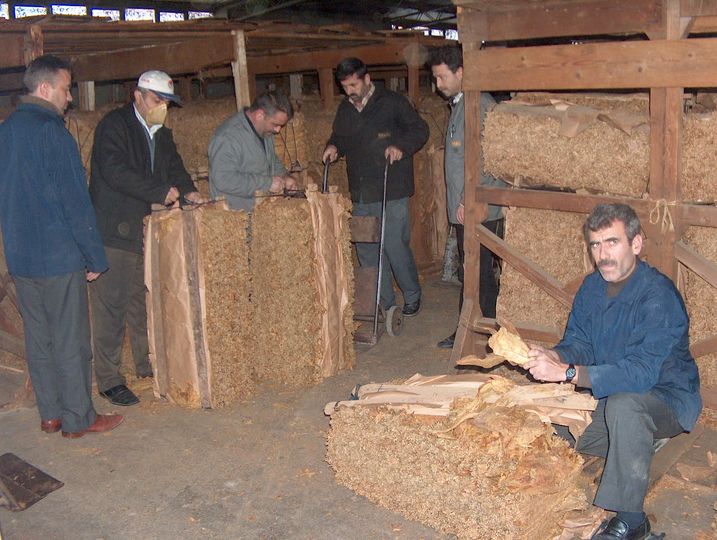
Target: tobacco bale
x=701 y=300
x=285 y=293
x=228 y=322
x=501 y=475
x=81 y=125
x=527 y=149
x=699 y=161
x=554 y=241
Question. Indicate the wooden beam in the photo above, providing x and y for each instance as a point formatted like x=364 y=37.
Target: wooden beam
x=11 y=81
x=698 y=8
x=240 y=71
x=295 y=85
x=472 y=168
x=326 y=87
x=12 y=344
x=704 y=347
x=699 y=264
x=34 y=43
x=86 y=90
x=529 y=20
x=189 y=56
x=666 y=457
x=630 y=64
x=390 y=53
x=525 y=266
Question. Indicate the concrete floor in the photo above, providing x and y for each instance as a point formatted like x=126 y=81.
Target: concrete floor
x=255 y=470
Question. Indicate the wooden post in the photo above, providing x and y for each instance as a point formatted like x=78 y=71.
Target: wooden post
x=326 y=87
x=239 y=69
x=665 y=149
x=34 y=43
x=413 y=89
x=86 y=90
x=296 y=81
x=185 y=89
x=393 y=84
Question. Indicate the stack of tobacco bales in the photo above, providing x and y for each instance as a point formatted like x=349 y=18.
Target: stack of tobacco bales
x=471 y=455
x=302 y=287
x=598 y=143
x=226 y=312
x=198 y=303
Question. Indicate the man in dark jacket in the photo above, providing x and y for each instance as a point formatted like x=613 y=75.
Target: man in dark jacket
x=372 y=126
x=135 y=164
x=51 y=247
x=627 y=341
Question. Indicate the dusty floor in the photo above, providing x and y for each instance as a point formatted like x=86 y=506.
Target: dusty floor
x=257 y=470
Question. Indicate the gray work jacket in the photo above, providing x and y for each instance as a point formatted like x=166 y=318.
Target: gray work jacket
x=455 y=157
x=241 y=162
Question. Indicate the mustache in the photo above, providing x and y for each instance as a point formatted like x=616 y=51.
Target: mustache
x=606 y=262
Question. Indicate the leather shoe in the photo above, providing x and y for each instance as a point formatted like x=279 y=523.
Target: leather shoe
x=103 y=422
x=617 y=529
x=412 y=309
x=120 y=395
x=448 y=342
x=51 y=426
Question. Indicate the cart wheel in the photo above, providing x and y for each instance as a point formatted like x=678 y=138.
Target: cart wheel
x=394 y=321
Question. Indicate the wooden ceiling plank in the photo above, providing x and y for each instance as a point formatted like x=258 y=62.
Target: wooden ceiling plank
x=510 y=21
x=185 y=57
x=698 y=8
x=688 y=63
x=387 y=54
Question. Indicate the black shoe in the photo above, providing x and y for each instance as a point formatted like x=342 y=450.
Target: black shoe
x=412 y=309
x=120 y=395
x=448 y=342
x=617 y=529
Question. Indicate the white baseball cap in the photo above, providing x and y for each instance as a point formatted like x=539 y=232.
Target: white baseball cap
x=160 y=83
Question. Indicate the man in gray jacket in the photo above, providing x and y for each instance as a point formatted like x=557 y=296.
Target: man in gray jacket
x=447 y=67
x=242 y=158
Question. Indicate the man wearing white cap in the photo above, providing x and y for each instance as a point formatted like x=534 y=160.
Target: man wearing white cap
x=135 y=163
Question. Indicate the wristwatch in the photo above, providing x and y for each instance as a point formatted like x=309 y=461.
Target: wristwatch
x=570 y=373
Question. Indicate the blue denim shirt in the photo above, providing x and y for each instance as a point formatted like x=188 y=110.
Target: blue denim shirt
x=636 y=341
x=48 y=223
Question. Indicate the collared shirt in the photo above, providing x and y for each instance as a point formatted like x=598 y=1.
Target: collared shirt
x=150 y=129
x=455 y=99
x=362 y=104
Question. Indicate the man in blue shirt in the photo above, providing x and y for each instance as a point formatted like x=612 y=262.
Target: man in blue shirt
x=52 y=246
x=627 y=341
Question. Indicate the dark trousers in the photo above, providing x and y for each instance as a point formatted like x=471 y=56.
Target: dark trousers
x=488 y=281
x=623 y=430
x=398 y=257
x=57 y=347
x=117 y=299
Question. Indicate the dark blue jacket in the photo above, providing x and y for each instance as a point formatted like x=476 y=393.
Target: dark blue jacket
x=635 y=342
x=388 y=119
x=48 y=222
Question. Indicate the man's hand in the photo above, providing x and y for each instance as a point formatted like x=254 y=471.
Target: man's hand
x=545 y=365
x=331 y=153
x=172 y=196
x=91 y=276
x=289 y=182
x=461 y=213
x=393 y=154
x=277 y=184
x=195 y=197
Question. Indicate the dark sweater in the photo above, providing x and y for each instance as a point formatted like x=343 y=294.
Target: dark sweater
x=48 y=223
x=123 y=185
x=388 y=119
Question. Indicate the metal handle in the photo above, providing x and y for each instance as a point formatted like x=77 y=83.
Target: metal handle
x=325 y=185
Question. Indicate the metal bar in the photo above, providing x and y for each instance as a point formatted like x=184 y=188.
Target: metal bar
x=325 y=185
x=380 y=252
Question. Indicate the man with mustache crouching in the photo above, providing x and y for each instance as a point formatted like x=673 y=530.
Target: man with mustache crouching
x=627 y=341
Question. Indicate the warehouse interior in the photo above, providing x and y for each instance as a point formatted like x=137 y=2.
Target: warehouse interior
x=599 y=101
